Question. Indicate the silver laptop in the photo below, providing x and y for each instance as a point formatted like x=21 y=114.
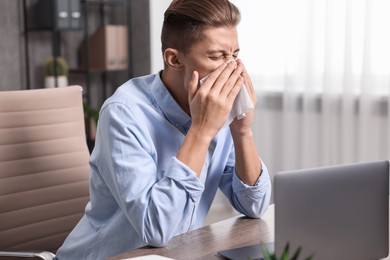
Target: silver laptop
x=334 y=213
x=338 y=213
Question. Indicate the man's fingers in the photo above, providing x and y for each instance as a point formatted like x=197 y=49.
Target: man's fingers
x=231 y=96
x=224 y=77
x=193 y=86
x=231 y=81
x=247 y=80
x=211 y=78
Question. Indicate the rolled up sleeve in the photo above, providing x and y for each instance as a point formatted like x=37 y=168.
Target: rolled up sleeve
x=251 y=201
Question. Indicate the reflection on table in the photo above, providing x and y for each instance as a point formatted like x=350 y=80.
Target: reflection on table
x=204 y=243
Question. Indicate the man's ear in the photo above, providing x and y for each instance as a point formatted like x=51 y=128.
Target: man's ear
x=171 y=58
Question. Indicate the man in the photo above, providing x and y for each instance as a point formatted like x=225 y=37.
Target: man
x=162 y=150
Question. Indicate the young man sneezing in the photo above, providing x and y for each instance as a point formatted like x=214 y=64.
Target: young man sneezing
x=165 y=143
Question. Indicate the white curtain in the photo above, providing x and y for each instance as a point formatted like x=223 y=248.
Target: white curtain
x=322 y=70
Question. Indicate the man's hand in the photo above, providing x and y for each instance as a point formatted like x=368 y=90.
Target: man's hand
x=210 y=106
x=248 y=163
x=211 y=103
x=243 y=126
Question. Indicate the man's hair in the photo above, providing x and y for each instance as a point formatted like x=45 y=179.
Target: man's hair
x=185 y=20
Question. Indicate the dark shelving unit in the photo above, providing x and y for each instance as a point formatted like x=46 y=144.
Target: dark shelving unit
x=99 y=7
x=87 y=71
x=55 y=39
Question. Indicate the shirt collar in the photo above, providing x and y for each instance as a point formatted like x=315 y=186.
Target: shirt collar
x=168 y=105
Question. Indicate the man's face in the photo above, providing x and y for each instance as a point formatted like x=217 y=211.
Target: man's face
x=217 y=46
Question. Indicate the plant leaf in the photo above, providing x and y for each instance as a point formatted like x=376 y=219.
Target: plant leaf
x=296 y=254
x=91 y=112
x=309 y=257
x=266 y=253
x=285 y=252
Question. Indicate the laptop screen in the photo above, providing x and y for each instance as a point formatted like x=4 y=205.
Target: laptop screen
x=339 y=212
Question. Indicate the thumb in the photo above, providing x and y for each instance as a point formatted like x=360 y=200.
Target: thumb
x=193 y=86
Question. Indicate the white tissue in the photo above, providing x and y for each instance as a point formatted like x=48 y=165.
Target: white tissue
x=241 y=105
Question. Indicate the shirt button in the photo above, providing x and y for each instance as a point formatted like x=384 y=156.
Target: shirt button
x=177 y=125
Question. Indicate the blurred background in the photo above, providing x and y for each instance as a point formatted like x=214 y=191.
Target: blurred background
x=321 y=69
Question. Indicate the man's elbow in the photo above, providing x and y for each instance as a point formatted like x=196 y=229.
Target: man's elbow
x=265 y=204
x=157 y=239
x=257 y=213
x=157 y=243
x=259 y=208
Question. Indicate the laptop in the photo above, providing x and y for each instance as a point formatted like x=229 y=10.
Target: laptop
x=339 y=212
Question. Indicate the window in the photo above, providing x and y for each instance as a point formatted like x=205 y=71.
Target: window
x=284 y=40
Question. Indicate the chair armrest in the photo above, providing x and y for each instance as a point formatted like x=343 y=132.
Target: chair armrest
x=43 y=255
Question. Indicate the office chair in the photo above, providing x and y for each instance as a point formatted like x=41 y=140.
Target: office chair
x=44 y=169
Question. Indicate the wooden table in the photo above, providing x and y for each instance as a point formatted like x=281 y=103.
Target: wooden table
x=205 y=242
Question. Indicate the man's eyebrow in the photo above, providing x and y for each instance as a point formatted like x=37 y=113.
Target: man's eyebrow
x=220 y=51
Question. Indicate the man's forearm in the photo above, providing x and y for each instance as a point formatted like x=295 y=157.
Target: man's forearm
x=248 y=164
x=193 y=150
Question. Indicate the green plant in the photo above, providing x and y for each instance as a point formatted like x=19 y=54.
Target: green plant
x=57 y=66
x=91 y=112
x=285 y=254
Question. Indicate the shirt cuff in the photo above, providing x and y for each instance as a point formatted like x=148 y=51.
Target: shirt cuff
x=261 y=184
x=186 y=178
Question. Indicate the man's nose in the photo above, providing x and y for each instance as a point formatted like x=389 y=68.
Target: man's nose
x=229 y=58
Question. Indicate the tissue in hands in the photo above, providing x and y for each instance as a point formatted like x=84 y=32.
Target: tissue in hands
x=241 y=105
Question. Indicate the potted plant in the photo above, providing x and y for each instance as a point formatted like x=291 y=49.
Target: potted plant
x=91 y=119
x=56 y=68
x=285 y=254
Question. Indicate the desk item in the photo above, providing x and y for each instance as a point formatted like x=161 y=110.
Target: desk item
x=109 y=48
x=253 y=252
x=149 y=257
x=57 y=14
x=338 y=213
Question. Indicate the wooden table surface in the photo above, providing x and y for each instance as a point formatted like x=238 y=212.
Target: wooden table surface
x=205 y=242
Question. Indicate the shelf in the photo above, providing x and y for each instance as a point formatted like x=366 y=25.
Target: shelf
x=104 y=2
x=83 y=71
x=48 y=16
x=49 y=29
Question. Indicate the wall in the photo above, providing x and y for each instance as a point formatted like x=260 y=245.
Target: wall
x=11 y=47
x=157 y=8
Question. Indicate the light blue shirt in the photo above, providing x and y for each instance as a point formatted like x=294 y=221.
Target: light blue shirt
x=140 y=193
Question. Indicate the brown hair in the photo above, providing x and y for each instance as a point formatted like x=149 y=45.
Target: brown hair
x=184 y=21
